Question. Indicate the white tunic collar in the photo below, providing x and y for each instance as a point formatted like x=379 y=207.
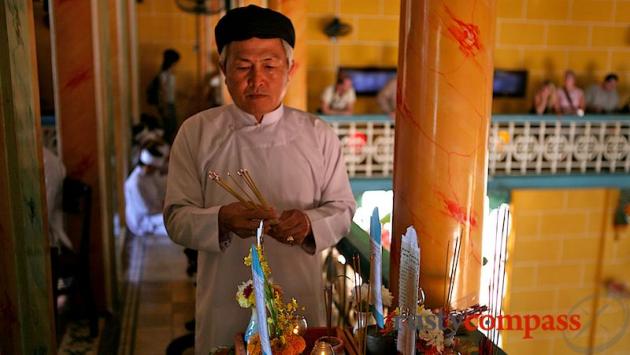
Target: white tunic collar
x=243 y=119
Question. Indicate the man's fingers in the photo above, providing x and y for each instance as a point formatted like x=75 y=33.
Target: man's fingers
x=286 y=225
x=247 y=224
x=259 y=213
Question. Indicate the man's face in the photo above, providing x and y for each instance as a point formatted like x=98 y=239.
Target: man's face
x=610 y=85
x=257 y=74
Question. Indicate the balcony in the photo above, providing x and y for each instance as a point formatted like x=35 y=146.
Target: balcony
x=524 y=151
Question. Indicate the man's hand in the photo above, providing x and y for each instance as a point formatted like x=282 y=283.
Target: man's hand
x=243 y=220
x=292 y=228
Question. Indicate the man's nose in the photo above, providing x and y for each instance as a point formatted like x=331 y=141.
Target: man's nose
x=256 y=77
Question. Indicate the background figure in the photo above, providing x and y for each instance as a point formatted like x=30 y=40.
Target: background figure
x=148 y=130
x=339 y=99
x=386 y=98
x=55 y=173
x=570 y=98
x=162 y=93
x=545 y=99
x=144 y=192
x=212 y=95
x=603 y=98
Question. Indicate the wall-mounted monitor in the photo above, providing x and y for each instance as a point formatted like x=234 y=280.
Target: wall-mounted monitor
x=509 y=83
x=368 y=81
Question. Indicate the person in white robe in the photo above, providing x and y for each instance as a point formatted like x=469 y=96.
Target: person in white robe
x=296 y=161
x=144 y=192
x=54 y=174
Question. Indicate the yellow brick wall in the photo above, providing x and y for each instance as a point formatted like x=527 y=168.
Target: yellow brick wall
x=544 y=37
x=373 y=42
x=547 y=37
x=161 y=25
x=553 y=265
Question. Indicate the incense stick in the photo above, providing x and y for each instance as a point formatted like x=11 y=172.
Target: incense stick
x=504 y=235
x=446 y=273
x=454 y=265
x=367 y=315
x=328 y=303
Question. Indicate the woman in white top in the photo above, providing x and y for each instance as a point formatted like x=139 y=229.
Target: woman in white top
x=570 y=98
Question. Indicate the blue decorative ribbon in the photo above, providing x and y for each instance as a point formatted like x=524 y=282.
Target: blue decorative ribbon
x=376 y=252
x=261 y=310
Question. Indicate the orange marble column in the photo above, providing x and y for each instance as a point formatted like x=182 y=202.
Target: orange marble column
x=442 y=116
x=296 y=11
x=120 y=98
x=133 y=58
x=84 y=110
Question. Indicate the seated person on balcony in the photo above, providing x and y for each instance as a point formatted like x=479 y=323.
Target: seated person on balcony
x=570 y=98
x=54 y=174
x=545 y=99
x=295 y=159
x=603 y=98
x=387 y=98
x=339 y=99
x=144 y=192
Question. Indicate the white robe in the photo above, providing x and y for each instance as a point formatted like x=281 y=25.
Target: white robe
x=296 y=161
x=144 y=198
x=55 y=173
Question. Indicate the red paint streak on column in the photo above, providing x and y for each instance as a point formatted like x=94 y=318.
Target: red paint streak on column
x=77 y=79
x=457 y=211
x=466 y=34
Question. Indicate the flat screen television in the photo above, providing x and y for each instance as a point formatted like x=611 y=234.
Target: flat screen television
x=368 y=81
x=509 y=83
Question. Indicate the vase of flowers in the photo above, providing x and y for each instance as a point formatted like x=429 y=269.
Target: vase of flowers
x=363 y=309
x=282 y=317
x=367 y=332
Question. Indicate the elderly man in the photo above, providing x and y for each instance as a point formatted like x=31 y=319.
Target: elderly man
x=295 y=159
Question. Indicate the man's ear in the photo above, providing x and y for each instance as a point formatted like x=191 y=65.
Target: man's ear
x=292 y=69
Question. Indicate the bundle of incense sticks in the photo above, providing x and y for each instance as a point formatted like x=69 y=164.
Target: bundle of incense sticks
x=361 y=311
x=243 y=196
x=497 y=283
x=453 y=269
x=328 y=301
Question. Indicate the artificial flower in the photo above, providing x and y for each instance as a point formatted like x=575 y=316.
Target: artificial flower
x=430 y=332
x=386 y=296
x=245 y=294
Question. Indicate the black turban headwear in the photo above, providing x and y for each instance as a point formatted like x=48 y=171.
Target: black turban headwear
x=243 y=23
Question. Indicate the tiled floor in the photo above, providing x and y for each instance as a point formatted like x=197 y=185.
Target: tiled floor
x=166 y=297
